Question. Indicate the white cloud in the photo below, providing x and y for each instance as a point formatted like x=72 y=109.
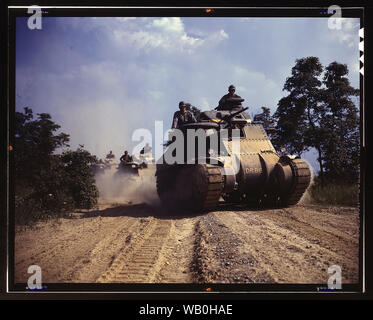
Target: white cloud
x=164 y=33
x=169 y=34
x=348 y=34
x=174 y=25
x=143 y=34
x=223 y=34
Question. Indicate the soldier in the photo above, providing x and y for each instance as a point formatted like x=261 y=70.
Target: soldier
x=146 y=149
x=110 y=155
x=183 y=116
x=223 y=104
x=126 y=157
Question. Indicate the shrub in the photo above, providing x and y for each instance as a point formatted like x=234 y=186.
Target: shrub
x=79 y=177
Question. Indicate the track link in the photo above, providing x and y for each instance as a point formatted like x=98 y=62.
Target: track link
x=214 y=187
x=191 y=187
x=302 y=178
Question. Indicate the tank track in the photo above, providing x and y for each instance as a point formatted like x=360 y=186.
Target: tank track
x=302 y=178
x=204 y=180
x=214 y=181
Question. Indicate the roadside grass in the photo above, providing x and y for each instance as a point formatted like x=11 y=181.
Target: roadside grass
x=335 y=194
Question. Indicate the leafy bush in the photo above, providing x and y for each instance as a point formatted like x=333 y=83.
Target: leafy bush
x=79 y=177
x=49 y=185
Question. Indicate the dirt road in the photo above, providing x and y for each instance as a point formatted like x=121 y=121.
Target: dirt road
x=130 y=243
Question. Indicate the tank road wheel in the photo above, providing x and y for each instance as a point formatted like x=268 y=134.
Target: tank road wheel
x=191 y=187
x=301 y=181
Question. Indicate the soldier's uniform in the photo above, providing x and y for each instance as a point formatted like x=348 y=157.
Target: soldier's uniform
x=224 y=105
x=126 y=158
x=228 y=105
x=180 y=118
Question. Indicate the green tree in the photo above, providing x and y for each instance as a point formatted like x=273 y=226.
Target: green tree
x=340 y=142
x=321 y=115
x=48 y=184
x=299 y=113
x=35 y=142
x=265 y=118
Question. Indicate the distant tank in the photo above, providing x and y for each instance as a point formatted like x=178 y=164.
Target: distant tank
x=99 y=167
x=131 y=168
x=261 y=177
x=145 y=158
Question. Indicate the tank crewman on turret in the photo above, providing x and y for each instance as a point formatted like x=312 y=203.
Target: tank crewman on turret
x=110 y=155
x=126 y=157
x=223 y=103
x=182 y=116
x=146 y=149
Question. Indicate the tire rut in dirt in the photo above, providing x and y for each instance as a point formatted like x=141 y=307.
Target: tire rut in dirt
x=69 y=246
x=218 y=258
x=292 y=250
x=95 y=258
x=333 y=240
x=101 y=257
x=139 y=263
x=177 y=253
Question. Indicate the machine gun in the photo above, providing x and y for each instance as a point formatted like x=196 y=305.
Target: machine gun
x=229 y=118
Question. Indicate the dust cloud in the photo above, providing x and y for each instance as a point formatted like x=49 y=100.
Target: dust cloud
x=124 y=188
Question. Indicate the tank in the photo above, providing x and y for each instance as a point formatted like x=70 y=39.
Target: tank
x=203 y=175
x=131 y=168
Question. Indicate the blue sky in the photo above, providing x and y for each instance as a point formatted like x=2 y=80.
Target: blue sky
x=102 y=78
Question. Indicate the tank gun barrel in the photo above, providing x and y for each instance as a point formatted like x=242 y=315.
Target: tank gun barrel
x=228 y=118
